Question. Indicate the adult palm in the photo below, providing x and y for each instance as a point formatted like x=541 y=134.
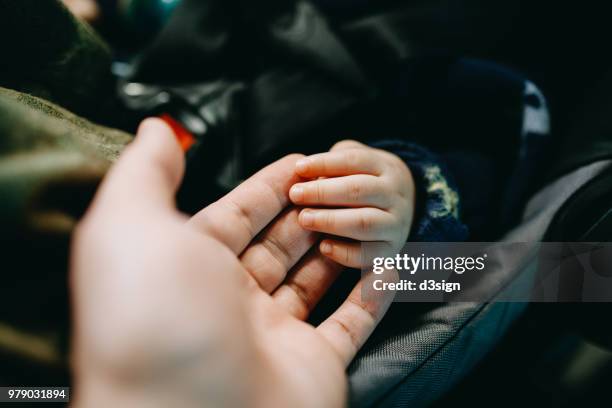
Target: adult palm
x=208 y=310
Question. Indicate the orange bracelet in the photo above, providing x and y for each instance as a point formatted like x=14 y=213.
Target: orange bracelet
x=183 y=136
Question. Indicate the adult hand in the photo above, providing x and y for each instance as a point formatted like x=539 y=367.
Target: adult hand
x=209 y=310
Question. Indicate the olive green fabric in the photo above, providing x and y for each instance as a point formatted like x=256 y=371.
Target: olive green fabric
x=48 y=53
x=41 y=143
x=51 y=162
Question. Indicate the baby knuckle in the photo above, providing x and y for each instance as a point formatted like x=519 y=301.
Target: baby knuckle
x=382 y=193
x=319 y=193
x=353 y=158
x=309 y=193
x=394 y=164
x=329 y=220
x=388 y=188
x=355 y=191
x=347 y=255
x=403 y=170
x=365 y=223
x=323 y=164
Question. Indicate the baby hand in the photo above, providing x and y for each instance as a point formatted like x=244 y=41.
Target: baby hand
x=374 y=190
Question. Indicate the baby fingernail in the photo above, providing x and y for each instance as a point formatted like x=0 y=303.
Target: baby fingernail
x=326 y=248
x=296 y=193
x=301 y=165
x=307 y=218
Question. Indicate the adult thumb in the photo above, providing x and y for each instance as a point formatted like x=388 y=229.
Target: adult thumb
x=147 y=173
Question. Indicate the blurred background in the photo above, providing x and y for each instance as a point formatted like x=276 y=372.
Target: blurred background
x=254 y=80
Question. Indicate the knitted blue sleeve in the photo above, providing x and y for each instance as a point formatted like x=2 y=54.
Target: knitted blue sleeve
x=436 y=215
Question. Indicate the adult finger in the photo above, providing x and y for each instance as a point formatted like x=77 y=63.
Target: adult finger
x=307 y=284
x=351 y=191
x=348 y=328
x=239 y=216
x=277 y=249
x=147 y=173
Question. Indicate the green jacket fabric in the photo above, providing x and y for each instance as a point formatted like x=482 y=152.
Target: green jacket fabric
x=46 y=52
x=51 y=161
x=50 y=164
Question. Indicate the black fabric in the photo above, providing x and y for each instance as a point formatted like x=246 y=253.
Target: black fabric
x=47 y=53
x=240 y=38
x=589 y=129
x=587 y=217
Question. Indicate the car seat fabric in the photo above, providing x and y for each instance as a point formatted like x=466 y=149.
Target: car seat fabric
x=416 y=355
